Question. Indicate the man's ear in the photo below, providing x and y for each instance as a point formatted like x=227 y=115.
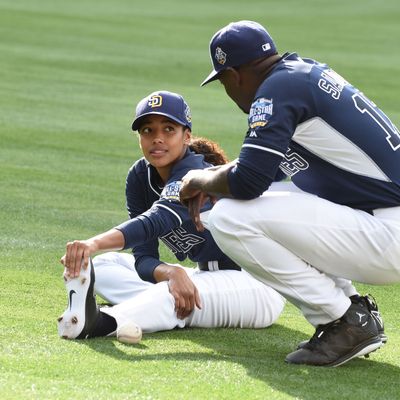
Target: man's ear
x=235 y=75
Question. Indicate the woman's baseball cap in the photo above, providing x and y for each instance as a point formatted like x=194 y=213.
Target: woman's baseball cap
x=170 y=104
x=236 y=44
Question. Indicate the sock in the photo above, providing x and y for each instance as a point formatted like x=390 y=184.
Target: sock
x=105 y=324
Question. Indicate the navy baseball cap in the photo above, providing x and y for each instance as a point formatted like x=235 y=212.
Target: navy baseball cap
x=236 y=44
x=170 y=104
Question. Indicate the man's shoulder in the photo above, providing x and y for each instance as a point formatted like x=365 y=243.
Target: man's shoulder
x=292 y=76
x=293 y=68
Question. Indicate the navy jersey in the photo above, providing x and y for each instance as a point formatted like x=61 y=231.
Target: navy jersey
x=156 y=213
x=310 y=123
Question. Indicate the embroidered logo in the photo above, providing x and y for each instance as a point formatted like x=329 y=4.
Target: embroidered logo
x=293 y=163
x=155 y=101
x=252 y=134
x=266 y=46
x=171 y=191
x=260 y=112
x=188 y=114
x=220 y=56
x=181 y=241
x=360 y=315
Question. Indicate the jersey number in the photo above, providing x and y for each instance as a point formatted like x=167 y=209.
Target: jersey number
x=365 y=106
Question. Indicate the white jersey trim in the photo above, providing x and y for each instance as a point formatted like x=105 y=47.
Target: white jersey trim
x=149 y=179
x=321 y=139
x=172 y=212
x=267 y=149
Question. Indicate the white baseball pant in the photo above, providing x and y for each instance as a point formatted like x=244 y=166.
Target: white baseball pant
x=229 y=298
x=306 y=247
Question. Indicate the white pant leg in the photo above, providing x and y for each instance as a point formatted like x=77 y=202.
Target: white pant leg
x=234 y=299
x=116 y=277
x=153 y=310
x=286 y=186
x=288 y=240
x=345 y=284
x=229 y=299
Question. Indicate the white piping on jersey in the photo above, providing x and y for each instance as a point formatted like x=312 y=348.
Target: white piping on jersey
x=254 y=146
x=149 y=179
x=321 y=139
x=171 y=211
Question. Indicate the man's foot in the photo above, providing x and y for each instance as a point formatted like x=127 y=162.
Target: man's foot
x=370 y=302
x=79 y=319
x=372 y=307
x=333 y=344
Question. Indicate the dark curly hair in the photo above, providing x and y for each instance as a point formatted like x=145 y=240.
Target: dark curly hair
x=211 y=151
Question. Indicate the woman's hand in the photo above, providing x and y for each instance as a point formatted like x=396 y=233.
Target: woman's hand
x=181 y=287
x=78 y=252
x=77 y=256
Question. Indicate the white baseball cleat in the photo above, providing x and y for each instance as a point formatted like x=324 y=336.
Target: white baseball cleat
x=129 y=333
x=79 y=318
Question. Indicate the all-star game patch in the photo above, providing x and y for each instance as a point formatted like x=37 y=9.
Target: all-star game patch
x=260 y=112
x=171 y=191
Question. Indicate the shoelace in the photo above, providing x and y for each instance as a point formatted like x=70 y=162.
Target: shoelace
x=371 y=302
x=322 y=333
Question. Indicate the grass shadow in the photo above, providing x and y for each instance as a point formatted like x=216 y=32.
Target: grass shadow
x=261 y=353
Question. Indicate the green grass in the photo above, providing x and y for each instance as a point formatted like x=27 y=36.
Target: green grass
x=71 y=74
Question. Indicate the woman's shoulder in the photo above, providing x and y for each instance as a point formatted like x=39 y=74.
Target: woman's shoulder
x=190 y=161
x=139 y=167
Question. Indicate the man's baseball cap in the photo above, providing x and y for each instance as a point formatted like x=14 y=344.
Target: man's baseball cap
x=170 y=104
x=236 y=44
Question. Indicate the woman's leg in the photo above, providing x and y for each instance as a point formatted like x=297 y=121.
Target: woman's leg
x=116 y=277
x=228 y=298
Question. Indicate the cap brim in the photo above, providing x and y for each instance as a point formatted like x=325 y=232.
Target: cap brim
x=137 y=122
x=211 y=77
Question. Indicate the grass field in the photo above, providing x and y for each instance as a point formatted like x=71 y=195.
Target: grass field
x=71 y=73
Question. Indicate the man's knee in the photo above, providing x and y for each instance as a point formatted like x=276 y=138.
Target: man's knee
x=222 y=218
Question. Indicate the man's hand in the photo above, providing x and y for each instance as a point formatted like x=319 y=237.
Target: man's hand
x=192 y=196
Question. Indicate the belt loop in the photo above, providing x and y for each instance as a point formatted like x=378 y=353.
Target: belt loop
x=213 y=266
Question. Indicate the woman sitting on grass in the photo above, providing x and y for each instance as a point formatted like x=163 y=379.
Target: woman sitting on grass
x=150 y=294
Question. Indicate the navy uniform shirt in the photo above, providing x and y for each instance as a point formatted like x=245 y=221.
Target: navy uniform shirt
x=156 y=213
x=313 y=125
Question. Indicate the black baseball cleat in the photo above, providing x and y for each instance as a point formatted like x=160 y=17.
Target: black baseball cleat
x=372 y=307
x=370 y=302
x=353 y=335
x=79 y=319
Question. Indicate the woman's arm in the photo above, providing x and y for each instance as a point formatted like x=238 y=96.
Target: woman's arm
x=181 y=287
x=78 y=252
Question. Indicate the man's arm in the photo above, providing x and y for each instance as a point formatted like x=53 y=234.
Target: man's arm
x=199 y=185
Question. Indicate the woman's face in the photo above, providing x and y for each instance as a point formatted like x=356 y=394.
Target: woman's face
x=163 y=142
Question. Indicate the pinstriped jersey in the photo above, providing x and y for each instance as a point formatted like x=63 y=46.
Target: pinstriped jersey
x=156 y=213
x=329 y=138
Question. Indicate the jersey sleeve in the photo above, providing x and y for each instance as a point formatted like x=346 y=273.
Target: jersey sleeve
x=165 y=215
x=146 y=254
x=280 y=104
x=147 y=260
